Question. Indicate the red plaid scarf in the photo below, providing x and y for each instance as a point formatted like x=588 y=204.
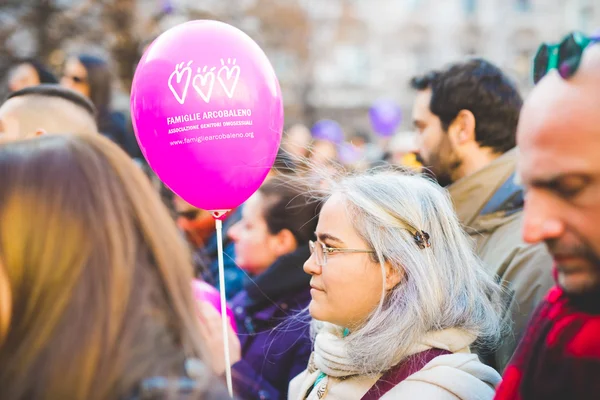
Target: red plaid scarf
x=559 y=355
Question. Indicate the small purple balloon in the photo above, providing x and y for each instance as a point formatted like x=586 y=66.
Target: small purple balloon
x=328 y=130
x=166 y=6
x=385 y=117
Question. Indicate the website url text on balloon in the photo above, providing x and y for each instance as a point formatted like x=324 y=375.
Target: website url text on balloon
x=208 y=138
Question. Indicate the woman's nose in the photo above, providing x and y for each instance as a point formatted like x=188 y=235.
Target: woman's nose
x=311 y=267
x=232 y=232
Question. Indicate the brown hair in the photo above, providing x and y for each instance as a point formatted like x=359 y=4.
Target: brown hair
x=99 y=275
x=290 y=206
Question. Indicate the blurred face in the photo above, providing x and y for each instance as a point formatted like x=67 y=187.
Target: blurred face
x=255 y=247
x=348 y=288
x=23 y=76
x=75 y=77
x=323 y=152
x=559 y=144
x=297 y=141
x=435 y=146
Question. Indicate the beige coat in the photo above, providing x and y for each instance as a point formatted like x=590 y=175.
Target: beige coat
x=457 y=376
x=524 y=269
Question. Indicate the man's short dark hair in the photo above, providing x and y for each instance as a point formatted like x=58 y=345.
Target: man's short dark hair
x=482 y=88
x=54 y=90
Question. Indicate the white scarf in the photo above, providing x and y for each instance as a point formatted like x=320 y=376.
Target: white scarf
x=331 y=355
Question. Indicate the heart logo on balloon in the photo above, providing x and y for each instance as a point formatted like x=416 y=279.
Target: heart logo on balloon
x=182 y=77
x=204 y=80
x=232 y=75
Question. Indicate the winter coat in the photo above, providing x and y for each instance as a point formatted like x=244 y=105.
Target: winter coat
x=275 y=340
x=489 y=204
x=456 y=376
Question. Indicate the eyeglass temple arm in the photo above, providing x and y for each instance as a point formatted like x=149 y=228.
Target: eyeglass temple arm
x=348 y=251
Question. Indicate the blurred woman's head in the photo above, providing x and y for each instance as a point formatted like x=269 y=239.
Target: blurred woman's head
x=392 y=263
x=90 y=76
x=99 y=277
x=29 y=72
x=276 y=220
x=296 y=141
x=323 y=152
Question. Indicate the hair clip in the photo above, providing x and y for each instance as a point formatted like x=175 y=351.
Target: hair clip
x=422 y=239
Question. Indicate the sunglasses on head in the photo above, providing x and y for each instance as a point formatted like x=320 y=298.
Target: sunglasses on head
x=564 y=56
x=189 y=215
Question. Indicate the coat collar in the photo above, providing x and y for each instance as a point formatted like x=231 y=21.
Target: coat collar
x=474 y=192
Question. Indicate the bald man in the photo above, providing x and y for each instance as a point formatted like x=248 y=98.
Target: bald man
x=559 y=165
x=46 y=109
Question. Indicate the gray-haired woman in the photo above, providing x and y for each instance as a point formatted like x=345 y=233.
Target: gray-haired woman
x=398 y=296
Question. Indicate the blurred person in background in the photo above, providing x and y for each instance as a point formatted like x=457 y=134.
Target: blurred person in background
x=29 y=72
x=403 y=151
x=370 y=149
x=398 y=296
x=296 y=141
x=285 y=165
x=47 y=108
x=466 y=116
x=91 y=76
x=271 y=244
x=558 y=138
x=199 y=228
x=323 y=152
x=101 y=298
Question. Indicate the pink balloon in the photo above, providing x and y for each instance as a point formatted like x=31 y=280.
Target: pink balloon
x=205 y=292
x=208 y=113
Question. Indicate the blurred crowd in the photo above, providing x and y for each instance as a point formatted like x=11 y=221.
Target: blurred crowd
x=458 y=261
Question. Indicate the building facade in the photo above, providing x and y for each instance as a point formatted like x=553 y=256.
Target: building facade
x=368 y=49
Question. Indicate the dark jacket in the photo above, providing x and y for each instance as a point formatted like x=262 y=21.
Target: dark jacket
x=274 y=348
x=115 y=126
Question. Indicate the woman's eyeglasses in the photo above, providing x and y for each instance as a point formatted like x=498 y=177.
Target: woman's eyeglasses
x=564 y=56
x=321 y=251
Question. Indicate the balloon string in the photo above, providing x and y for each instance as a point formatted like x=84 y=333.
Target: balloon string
x=219 y=226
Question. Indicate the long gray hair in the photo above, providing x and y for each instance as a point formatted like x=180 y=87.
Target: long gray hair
x=444 y=285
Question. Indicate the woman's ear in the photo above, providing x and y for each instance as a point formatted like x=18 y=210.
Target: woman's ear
x=285 y=242
x=393 y=276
